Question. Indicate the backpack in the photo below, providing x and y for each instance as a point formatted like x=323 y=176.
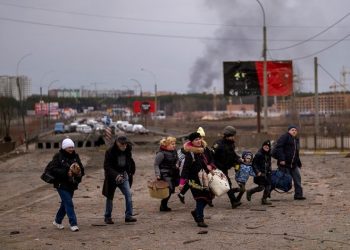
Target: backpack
x=281 y=180
x=181 y=156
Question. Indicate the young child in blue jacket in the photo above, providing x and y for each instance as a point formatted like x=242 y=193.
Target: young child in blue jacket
x=243 y=172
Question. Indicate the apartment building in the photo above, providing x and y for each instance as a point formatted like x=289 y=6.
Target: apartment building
x=9 y=88
x=329 y=103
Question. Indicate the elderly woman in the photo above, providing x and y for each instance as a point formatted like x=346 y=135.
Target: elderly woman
x=165 y=168
x=68 y=171
x=198 y=159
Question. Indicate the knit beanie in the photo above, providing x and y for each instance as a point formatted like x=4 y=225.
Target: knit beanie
x=292 y=126
x=200 y=130
x=67 y=143
x=267 y=142
x=194 y=136
x=229 y=131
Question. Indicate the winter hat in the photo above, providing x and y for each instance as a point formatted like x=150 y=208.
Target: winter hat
x=122 y=139
x=194 y=136
x=247 y=153
x=267 y=142
x=292 y=126
x=200 y=130
x=229 y=131
x=67 y=143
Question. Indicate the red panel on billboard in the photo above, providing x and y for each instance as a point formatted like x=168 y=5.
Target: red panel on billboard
x=144 y=107
x=279 y=77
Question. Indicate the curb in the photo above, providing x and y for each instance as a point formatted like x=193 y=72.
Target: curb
x=324 y=153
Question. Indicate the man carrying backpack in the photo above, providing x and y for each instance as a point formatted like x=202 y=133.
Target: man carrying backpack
x=286 y=152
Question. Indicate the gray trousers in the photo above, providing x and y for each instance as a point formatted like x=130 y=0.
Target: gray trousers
x=295 y=173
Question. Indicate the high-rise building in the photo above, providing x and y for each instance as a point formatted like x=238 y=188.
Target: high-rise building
x=9 y=88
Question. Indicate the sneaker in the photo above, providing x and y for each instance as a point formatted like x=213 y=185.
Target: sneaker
x=109 y=221
x=59 y=226
x=249 y=195
x=300 y=198
x=201 y=224
x=74 y=228
x=181 y=197
x=130 y=219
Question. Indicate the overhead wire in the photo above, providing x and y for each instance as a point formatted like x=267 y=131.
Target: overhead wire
x=329 y=74
x=320 y=51
x=314 y=36
x=151 y=20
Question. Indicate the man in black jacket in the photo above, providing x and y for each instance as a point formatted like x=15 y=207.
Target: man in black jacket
x=119 y=168
x=225 y=157
x=286 y=152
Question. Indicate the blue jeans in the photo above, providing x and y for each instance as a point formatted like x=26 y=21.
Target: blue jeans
x=200 y=205
x=125 y=189
x=67 y=207
x=295 y=173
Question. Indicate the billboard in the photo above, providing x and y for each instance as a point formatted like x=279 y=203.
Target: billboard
x=246 y=78
x=44 y=108
x=144 y=107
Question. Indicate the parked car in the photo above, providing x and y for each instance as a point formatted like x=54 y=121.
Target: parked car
x=83 y=128
x=59 y=128
x=139 y=128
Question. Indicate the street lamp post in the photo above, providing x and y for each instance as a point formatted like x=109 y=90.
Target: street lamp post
x=139 y=84
x=264 y=68
x=155 y=88
x=21 y=99
x=49 y=103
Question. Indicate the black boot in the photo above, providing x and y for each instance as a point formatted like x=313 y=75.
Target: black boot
x=201 y=224
x=264 y=201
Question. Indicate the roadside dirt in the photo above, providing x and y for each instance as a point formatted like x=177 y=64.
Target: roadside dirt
x=28 y=207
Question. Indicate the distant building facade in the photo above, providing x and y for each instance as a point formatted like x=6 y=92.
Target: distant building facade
x=9 y=88
x=329 y=103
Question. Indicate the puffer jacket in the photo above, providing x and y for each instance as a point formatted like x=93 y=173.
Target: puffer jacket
x=165 y=163
x=61 y=163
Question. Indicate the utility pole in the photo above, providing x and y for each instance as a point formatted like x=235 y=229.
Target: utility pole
x=317 y=118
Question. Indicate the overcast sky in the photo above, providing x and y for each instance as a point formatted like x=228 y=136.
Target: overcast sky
x=180 y=44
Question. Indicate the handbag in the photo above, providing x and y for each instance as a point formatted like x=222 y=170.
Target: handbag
x=281 y=180
x=218 y=182
x=158 y=189
x=47 y=177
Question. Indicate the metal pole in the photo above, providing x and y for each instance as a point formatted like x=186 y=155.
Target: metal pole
x=139 y=84
x=155 y=89
x=265 y=92
x=317 y=117
x=21 y=99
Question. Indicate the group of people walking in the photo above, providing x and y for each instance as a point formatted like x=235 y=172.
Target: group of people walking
x=186 y=168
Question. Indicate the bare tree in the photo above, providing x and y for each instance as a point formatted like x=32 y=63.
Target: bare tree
x=8 y=107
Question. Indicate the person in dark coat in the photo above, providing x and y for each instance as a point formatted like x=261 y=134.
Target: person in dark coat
x=198 y=159
x=118 y=166
x=286 y=151
x=68 y=171
x=262 y=168
x=225 y=157
x=165 y=168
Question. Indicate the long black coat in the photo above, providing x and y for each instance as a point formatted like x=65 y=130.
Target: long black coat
x=60 y=165
x=112 y=168
x=287 y=149
x=194 y=162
